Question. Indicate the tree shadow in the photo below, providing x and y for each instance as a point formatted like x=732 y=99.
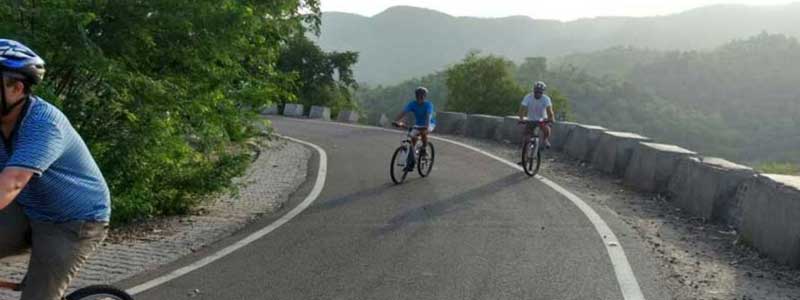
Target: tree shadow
x=450 y=205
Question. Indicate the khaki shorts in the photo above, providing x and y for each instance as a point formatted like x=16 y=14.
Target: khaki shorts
x=61 y=249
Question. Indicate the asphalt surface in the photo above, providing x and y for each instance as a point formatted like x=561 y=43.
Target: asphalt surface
x=474 y=229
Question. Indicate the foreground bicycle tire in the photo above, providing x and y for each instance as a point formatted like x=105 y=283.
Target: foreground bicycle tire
x=425 y=164
x=99 y=292
x=531 y=158
x=396 y=171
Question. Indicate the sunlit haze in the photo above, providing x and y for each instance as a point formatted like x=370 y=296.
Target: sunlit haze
x=564 y=10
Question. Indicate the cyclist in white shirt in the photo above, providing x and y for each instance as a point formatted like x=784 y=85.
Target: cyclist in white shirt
x=537 y=107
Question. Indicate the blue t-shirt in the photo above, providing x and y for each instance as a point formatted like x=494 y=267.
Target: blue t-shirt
x=421 y=111
x=67 y=185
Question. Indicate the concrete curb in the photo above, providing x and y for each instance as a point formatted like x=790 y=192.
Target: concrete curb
x=614 y=151
x=652 y=166
x=582 y=141
x=770 y=216
x=706 y=187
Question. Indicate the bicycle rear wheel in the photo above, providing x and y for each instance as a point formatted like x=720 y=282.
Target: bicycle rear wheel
x=99 y=292
x=425 y=163
x=531 y=158
x=397 y=166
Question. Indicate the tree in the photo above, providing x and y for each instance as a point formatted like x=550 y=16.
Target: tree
x=323 y=78
x=164 y=91
x=483 y=84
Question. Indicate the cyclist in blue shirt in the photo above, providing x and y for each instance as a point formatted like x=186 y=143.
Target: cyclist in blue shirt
x=424 y=121
x=53 y=198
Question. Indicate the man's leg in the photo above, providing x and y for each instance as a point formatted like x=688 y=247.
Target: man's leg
x=14 y=230
x=527 y=133
x=411 y=161
x=424 y=136
x=546 y=133
x=59 y=251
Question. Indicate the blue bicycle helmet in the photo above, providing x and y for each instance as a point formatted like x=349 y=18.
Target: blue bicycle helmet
x=18 y=58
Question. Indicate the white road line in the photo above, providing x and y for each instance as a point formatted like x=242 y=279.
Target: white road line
x=626 y=279
x=315 y=191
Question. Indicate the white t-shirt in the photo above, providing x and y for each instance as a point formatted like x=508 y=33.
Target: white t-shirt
x=537 y=108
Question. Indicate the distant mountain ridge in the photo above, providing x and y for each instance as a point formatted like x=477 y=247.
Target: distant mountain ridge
x=404 y=42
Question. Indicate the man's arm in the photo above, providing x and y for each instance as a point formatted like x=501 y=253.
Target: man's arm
x=551 y=116
x=521 y=113
x=400 y=116
x=12 y=181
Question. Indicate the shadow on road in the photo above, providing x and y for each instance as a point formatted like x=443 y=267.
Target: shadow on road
x=450 y=205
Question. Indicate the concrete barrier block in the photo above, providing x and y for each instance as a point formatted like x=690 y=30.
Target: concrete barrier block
x=706 y=187
x=293 y=110
x=510 y=132
x=348 y=116
x=652 y=165
x=320 y=112
x=614 y=151
x=270 y=110
x=384 y=121
x=451 y=123
x=582 y=141
x=483 y=126
x=561 y=133
x=771 y=216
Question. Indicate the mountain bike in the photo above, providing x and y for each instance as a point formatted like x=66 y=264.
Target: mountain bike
x=94 y=292
x=532 y=150
x=405 y=156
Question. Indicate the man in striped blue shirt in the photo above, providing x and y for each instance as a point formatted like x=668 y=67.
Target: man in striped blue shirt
x=53 y=198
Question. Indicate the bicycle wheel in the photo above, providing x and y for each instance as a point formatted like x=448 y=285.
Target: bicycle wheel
x=531 y=158
x=99 y=292
x=397 y=166
x=425 y=163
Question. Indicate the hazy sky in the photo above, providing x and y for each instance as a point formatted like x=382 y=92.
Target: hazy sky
x=551 y=9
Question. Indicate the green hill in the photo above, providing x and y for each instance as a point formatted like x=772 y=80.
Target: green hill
x=405 y=42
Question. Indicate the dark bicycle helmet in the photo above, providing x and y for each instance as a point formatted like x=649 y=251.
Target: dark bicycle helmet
x=17 y=58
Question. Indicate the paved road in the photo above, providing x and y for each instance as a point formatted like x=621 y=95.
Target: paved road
x=475 y=229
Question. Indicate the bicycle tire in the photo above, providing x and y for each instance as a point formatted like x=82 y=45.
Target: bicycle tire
x=531 y=161
x=425 y=165
x=99 y=292
x=397 y=178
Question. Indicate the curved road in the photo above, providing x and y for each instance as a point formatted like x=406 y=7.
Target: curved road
x=475 y=229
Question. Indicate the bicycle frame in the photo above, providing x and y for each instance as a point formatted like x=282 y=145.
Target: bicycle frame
x=7 y=285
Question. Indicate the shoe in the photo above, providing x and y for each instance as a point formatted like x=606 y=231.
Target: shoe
x=520 y=163
x=408 y=169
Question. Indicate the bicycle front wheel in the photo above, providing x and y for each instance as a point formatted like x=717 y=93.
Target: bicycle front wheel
x=425 y=162
x=531 y=158
x=99 y=292
x=397 y=166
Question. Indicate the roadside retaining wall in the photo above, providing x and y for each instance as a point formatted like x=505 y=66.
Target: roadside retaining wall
x=293 y=110
x=483 y=126
x=347 y=116
x=771 y=216
x=652 y=166
x=451 y=123
x=320 y=112
x=582 y=141
x=614 y=151
x=706 y=187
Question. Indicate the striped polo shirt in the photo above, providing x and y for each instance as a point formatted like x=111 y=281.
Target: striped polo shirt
x=67 y=185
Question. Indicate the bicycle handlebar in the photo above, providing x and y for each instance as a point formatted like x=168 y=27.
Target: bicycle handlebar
x=535 y=122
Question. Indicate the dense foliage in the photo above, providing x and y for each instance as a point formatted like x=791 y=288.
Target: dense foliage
x=479 y=84
x=323 y=78
x=163 y=91
x=738 y=101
